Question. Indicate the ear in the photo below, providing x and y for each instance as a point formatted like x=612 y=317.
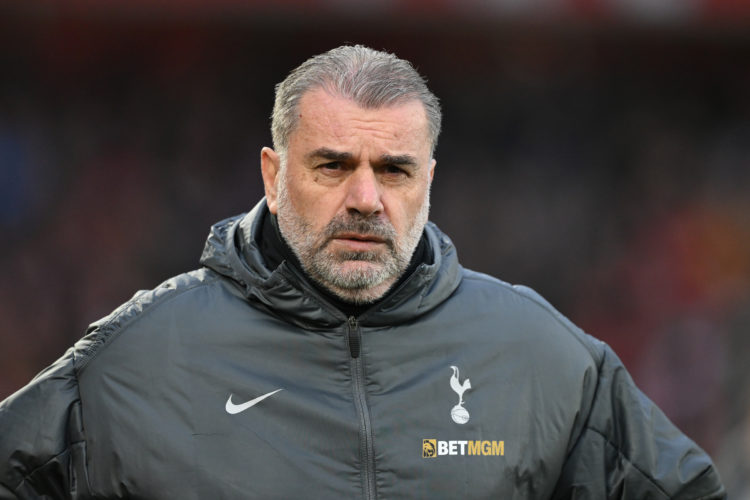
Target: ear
x=270 y=166
x=433 y=162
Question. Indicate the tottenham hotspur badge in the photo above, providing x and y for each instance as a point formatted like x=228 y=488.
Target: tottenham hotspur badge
x=459 y=413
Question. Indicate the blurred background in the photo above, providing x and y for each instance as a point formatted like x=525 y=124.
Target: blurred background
x=595 y=150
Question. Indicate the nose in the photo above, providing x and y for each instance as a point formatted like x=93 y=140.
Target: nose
x=364 y=192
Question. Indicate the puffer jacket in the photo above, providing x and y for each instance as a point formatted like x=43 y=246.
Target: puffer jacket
x=239 y=381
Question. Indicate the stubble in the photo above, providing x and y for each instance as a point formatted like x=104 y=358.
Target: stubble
x=358 y=277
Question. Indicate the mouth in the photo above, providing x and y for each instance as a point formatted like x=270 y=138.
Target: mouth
x=358 y=241
x=359 y=237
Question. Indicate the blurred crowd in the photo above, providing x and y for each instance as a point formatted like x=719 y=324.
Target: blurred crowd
x=610 y=172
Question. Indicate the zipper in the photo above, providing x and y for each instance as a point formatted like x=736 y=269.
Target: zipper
x=354 y=337
x=366 y=452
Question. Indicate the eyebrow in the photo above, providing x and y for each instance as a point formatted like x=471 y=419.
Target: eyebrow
x=333 y=155
x=400 y=160
x=330 y=154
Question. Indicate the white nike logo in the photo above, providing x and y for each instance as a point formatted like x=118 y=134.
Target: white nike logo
x=233 y=408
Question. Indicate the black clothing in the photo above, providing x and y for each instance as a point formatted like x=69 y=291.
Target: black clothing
x=242 y=380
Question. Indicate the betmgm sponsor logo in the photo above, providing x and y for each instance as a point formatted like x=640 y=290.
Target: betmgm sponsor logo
x=433 y=448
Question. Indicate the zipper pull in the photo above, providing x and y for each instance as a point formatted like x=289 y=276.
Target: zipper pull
x=353 y=337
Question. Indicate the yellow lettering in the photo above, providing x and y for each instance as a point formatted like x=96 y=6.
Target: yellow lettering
x=432 y=448
x=498 y=447
x=486 y=447
x=475 y=447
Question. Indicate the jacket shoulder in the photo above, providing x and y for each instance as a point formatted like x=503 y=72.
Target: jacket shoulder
x=41 y=436
x=104 y=331
x=636 y=446
x=44 y=451
x=532 y=313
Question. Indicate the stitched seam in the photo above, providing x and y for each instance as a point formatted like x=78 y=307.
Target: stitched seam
x=548 y=308
x=111 y=330
x=633 y=464
x=26 y=476
x=704 y=497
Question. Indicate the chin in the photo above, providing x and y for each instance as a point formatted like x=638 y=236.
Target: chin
x=362 y=284
x=361 y=296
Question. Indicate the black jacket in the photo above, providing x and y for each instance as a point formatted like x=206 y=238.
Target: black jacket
x=239 y=381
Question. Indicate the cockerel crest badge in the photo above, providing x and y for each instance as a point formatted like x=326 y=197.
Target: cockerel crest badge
x=459 y=413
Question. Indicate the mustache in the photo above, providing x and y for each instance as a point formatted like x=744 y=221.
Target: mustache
x=360 y=224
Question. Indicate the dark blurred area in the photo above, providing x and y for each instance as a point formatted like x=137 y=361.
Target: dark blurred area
x=595 y=150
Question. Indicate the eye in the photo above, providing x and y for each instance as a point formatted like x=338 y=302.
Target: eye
x=332 y=168
x=394 y=171
x=332 y=165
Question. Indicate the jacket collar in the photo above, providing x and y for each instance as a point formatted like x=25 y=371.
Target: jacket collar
x=233 y=250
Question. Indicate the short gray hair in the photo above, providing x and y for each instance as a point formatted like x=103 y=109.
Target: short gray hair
x=370 y=78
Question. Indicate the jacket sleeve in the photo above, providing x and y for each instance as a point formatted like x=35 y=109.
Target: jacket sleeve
x=628 y=448
x=42 y=449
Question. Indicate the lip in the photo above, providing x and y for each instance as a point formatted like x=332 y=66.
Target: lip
x=366 y=238
x=358 y=242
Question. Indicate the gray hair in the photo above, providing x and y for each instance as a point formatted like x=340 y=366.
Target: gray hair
x=370 y=78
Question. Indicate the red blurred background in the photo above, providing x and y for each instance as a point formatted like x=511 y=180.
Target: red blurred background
x=596 y=150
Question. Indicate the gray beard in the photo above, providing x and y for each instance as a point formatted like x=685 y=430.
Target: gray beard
x=362 y=284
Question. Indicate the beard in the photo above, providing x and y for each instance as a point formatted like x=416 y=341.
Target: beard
x=357 y=277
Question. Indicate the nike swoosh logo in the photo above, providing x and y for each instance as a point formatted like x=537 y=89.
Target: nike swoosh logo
x=233 y=409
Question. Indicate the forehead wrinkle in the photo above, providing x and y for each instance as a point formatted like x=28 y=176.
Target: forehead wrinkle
x=344 y=125
x=384 y=129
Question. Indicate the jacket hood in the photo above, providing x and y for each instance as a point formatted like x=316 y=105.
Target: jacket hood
x=233 y=250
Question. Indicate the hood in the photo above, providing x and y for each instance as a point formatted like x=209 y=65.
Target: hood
x=233 y=250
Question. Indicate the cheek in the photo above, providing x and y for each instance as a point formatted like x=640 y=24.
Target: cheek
x=316 y=207
x=405 y=209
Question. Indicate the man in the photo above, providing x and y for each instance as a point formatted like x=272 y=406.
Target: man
x=331 y=346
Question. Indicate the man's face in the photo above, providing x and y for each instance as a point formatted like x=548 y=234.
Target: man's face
x=353 y=198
